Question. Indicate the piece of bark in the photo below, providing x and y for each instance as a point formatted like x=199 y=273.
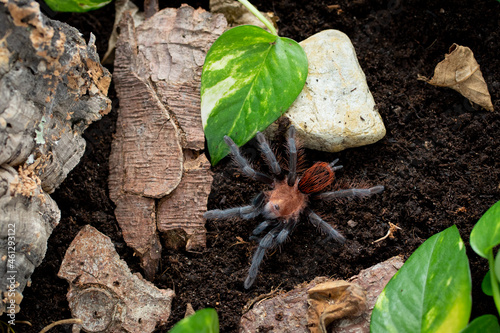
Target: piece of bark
x=331 y=301
x=138 y=224
x=184 y=208
x=146 y=157
x=460 y=71
x=172 y=47
x=289 y=310
x=121 y=7
x=52 y=87
x=103 y=292
x=45 y=69
x=286 y=311
x=157 y=75
x=27 y=218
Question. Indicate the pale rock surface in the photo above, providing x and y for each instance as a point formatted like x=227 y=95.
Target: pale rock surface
x=335 y=110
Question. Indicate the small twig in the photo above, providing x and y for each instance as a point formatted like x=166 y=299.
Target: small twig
x=61 y=322
x=239 y=242
x=390 y=233
x=260 y=298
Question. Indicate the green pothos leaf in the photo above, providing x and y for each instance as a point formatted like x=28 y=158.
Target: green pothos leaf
x=76 y=6
x=483 y=324
x=250 y=78
x=202 y=321
x=431 y=292
x=486 y=233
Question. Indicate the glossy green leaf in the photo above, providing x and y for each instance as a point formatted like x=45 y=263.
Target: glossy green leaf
x=486 y=233
x=250 y=78
x=202 y=321
x=486 y=284
x=483 y=324
x=431 y=292
x=77 y=6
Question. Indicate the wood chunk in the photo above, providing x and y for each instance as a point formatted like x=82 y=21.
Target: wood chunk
x=281 y=312
x=146 y=156
x=45 y=69
x=27 y=218
x=157 y=150
x=290 y=309
x=184 y=208
x=135 y=215
x=173 y=44
x=103 y=292
x=52 y=87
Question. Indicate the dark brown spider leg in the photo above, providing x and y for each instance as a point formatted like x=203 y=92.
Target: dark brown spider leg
x=287 y=229
x=292 y=152
x=268 y=154
x=267 y=242
x=352 y=192
x=244 y=165
x=325 y=227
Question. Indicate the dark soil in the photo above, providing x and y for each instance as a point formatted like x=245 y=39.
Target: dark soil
x=439 y=163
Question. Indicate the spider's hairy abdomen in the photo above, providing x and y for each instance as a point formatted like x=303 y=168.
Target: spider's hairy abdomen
x=316 y=178
x=285 y=201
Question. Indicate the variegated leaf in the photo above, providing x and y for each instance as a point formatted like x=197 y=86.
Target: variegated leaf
x=250 y=78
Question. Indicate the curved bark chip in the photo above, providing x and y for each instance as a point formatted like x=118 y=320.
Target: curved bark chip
x=159 y=176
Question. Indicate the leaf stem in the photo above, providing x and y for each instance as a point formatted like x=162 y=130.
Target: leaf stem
x=494 y=281
x=261 y=17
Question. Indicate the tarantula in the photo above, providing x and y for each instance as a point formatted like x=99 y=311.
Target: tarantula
x=288 y=199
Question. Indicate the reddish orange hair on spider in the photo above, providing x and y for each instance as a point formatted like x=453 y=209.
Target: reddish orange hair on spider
x=316 y=178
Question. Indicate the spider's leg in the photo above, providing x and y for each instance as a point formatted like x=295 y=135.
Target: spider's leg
x=260 y=228
x=267 y=242
x=292 y=152
x=244 y=165
x=245 y=212
x=352 y=192
x=268 y=154
x=287 y=229
x=325 y=227
x=335 y=168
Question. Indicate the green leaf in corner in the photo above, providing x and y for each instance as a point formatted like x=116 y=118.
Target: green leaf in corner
x=431 y=292
x=250 y=78
x=486 y=233
x=486 y=323
x=486 y=284
x=202 y=321
x=76 y=6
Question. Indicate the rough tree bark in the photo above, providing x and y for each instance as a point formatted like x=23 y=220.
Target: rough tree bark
x=103 y=292
x=52 y=87
x=159 y=176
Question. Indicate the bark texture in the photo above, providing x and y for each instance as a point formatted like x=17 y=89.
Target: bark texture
x=290 y=310
x=156 y=163
x=52 y=87
x=103 y=292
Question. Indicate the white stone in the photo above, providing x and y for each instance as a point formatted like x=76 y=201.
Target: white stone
x=335 y=110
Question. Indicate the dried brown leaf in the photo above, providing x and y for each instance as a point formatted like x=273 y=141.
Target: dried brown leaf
x=333 y=300
x=460 y=71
